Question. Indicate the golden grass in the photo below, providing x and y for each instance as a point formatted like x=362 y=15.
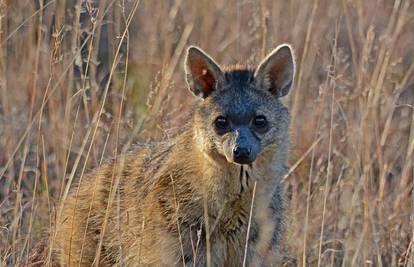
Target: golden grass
x=349 y=191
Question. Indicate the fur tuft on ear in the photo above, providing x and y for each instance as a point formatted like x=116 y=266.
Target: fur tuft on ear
x=276 y=72
x=202 y=72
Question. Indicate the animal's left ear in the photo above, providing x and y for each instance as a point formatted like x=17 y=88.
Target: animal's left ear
x=276 y=72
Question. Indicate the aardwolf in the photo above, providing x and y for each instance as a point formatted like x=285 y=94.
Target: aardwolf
x=212 y=196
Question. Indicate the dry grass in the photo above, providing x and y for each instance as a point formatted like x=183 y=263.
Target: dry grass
x=350 y=187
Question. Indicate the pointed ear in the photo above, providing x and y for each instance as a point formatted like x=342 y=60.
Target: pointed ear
x=202 y=72
x=276 y=72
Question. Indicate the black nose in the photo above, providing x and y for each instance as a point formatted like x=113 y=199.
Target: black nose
x=242 y=155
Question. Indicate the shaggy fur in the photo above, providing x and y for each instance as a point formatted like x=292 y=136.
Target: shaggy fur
x=185 y=201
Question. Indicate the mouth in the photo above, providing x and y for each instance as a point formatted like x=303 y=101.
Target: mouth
x=240 y=161
x=243 y=161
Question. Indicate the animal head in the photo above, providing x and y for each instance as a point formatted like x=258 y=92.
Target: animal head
x=240 y=114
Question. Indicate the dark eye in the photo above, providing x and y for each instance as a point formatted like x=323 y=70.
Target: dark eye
x=221 y=122
x=260 y=121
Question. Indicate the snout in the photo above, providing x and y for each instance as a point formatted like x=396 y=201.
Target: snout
x=241 y=146
x=243 y=155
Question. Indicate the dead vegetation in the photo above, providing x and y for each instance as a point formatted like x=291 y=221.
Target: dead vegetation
x=73 y=94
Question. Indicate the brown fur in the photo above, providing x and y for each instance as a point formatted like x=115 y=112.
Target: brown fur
x=147 y=208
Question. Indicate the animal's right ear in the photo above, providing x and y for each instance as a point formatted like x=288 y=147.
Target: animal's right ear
x=202 y=72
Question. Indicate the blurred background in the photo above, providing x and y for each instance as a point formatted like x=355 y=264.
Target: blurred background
x=82 y=80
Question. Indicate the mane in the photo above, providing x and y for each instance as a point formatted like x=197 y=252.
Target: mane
x=239 y=74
